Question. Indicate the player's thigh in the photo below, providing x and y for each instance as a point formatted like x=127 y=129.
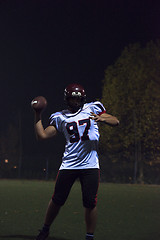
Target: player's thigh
x=89 y=179
x=64 y=182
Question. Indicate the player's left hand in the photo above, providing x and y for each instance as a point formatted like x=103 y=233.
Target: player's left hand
x=96 y=117
x=105 y=118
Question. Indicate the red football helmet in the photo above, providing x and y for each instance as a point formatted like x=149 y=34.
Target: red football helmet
x=75 y=90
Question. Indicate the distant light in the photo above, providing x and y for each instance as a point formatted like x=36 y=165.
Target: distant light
x=15 y=167
x=44 y=169
x=6 y=160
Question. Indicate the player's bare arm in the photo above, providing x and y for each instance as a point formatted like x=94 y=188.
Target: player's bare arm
x=42 y=133
x=105 y=118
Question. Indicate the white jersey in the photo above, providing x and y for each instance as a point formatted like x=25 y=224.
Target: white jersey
x=81 y=135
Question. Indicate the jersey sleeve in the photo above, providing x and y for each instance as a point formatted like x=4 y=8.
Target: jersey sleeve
x=98 y=108
x=55 y=121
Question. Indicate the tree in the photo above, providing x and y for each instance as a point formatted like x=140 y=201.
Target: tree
x=131 y=91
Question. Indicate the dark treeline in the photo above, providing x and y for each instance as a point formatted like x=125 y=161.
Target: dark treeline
x=131 y=91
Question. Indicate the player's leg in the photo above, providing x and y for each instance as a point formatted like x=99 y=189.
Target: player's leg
x=51 y=213
x=64 y=182
x=91 y=220
x=89 y=179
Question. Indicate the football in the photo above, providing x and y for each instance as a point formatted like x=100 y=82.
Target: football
x=39 y=103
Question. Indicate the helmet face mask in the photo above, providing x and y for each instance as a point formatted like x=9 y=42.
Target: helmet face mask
x=74 y=96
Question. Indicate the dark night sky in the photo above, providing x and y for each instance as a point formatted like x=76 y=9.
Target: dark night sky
x=45 y=45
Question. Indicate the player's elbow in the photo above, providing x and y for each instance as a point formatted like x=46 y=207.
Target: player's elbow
x=117 y=122
x=114 y=123
x=41 y=137
x=45 y=135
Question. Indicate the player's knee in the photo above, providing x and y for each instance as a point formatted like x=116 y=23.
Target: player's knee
x=58 y=201
x=89 y=203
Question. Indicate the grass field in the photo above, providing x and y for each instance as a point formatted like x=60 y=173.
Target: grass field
x=125 y=212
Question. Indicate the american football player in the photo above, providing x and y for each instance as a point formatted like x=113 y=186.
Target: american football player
x=79 y=124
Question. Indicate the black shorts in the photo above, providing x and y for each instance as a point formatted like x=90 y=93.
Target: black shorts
x=89 y=179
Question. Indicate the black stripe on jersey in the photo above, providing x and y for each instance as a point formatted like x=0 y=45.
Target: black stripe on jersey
x=100 y=106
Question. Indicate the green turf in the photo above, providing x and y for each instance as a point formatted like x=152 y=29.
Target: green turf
x=125 y=212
